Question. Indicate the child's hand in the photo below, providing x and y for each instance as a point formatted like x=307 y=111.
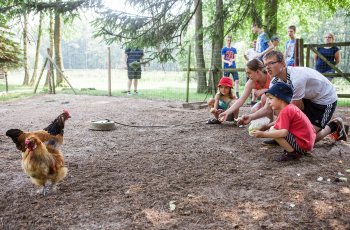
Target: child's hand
x=257 y=133
x=222 y=116
x=219 y=111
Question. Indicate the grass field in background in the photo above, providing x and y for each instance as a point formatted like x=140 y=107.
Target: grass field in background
x=157 y=85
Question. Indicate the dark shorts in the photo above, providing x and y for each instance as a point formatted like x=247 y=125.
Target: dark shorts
x=319 y=115
x=291 y=140
x=134 y=73
x=234 y=75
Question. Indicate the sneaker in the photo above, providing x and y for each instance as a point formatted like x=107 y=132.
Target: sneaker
x=128 y=93
x=270 y=142
x=137 y=93
x=340 y=134
x=213 y=121
x=287 y=156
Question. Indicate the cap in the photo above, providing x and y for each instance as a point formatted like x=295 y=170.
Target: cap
x=275 y=38
x=225 y=81
x=282 y=91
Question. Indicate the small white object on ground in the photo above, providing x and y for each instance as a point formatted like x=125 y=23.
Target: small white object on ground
x=257 y=124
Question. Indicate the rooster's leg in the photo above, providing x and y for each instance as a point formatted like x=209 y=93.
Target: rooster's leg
x=45 y=190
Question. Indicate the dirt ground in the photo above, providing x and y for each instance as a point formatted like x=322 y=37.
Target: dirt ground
x=179 y=174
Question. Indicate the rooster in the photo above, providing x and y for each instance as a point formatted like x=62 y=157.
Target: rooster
x=52 y=134
x=42 y=163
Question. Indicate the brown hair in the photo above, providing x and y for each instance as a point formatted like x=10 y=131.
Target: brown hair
x=292 y=28
x=256 y=64
x=230 y=94
x=279 y=55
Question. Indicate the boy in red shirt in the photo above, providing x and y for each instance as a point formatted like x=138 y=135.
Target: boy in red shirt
x=292 y=130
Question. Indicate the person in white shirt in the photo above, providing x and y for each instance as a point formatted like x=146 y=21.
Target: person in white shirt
x=313 y=93
x=251 y=53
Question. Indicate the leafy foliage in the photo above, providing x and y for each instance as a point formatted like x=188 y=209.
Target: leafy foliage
x=157 y=24
x=9 y=50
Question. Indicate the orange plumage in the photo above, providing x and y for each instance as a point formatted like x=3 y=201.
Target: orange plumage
x=43 y=163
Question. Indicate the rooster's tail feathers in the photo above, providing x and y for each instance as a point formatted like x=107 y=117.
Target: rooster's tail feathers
x=14 y=134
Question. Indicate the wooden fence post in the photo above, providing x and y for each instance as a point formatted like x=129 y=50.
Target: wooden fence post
x=109 y=72
x=39 y=78
x=188 y=74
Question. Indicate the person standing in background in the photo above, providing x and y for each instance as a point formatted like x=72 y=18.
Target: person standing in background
x=289 y=53
x=133 y=59
x=228 y=57
x=263 y=43
x=251 y=53
x=275 y=41
x=331 y=53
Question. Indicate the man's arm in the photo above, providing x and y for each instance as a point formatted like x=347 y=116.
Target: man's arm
x=337 y=57
x=271 y=46
x=225 y=61
x=298 y=103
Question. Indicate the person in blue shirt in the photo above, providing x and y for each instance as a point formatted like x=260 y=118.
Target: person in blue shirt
x=133 y=59
x=289 y=53
x=263 y=44
x=228 y=57
x=331 y=53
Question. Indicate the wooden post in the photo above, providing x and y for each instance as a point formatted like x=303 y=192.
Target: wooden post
x=188 y=74
x=49 y=71
x=109 y=72
x=39 y=78
x=64 y=77
x=301 y=52
x=307 y=56
x=296 y=53
x=52 y=74
x=6 y=83
x=212 y=82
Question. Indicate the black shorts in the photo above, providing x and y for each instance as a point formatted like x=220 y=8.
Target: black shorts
x=233 y=73
x=291 y=140
x=319 y=115
x=134 y=73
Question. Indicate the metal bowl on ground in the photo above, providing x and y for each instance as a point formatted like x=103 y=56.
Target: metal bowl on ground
x=102 y=125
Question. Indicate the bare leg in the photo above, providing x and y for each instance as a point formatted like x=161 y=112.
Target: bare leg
x=284 y=144
x=135 y=84
x=321 y=133
x=211 y=102
x=129 y=84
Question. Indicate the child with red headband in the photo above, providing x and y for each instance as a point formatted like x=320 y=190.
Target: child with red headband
x=224 y=98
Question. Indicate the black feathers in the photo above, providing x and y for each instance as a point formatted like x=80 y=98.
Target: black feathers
x=14 y=134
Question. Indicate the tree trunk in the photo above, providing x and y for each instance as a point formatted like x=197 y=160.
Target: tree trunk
x=271 y=7
x=37 y=50
x=200 y=62
x=51 y=37
x=58 y=48
x=217 y=42
x=25 y=49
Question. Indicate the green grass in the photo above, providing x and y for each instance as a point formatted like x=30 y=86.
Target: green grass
x=169 y=94
x=154 y=85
